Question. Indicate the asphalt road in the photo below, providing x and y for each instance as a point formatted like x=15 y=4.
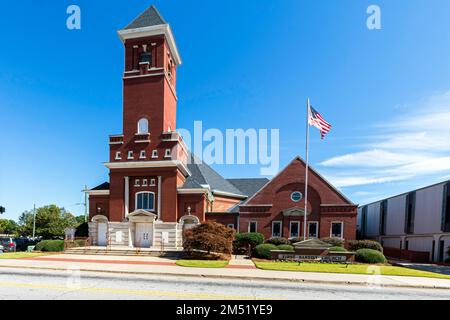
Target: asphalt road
x=20 y=284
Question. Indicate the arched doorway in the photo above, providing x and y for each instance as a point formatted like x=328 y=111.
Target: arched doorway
x=102 y=230
x=189 y=221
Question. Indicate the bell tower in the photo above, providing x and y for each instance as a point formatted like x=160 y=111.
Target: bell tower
x=149 y=80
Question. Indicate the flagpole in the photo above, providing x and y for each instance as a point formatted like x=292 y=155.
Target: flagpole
x=307 y=169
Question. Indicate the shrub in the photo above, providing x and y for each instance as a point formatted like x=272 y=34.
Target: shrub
x=337 y=249
x=263 y=250
x=355 y=245
x=335 y=242
x=286 y=247
x=82 y=230
x=277 y=241
x=50 y=245
x=210 y=237
x=370 y=256
x=243 y=240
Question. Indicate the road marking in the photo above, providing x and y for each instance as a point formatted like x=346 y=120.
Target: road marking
x=152 y=293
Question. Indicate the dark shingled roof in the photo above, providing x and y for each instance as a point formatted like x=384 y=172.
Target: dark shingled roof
x=103 y=186
x=202 y=174
x=148 y=18
x=249 y=186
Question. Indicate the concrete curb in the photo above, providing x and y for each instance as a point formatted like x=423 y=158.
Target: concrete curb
x=254 y=278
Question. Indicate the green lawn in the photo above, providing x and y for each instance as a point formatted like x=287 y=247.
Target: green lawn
x=202 y=263
x=342 y=268
x=19 y=255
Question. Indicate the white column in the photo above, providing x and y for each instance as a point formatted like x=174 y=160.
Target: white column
x=127 y=195
x=159 y=197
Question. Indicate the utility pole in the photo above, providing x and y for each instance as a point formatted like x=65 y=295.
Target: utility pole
x=85 y=204
x=34 y=221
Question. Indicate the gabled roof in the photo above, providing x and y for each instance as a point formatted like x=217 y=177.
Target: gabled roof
x=150 y=17
x=311 y=171
x=203 y=176
x=103 y=186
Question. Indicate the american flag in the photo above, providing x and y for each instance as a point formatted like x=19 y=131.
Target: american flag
x=316 y=120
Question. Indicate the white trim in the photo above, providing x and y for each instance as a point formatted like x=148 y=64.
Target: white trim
x=317 y=228
x=165 y=29
x=136 y=203
x=290 y=229
x=127 y=195
x=256 y=225
x=152 y=182
x=142 y=154
x=231 y=225
x=168 y=153
x=148 y=164
x=192 y=191
x=130 y=155
x=118 y=155
x=118 y=142
x=97 y=192
x=137 y=182
x=145 y=182
x=144 y=75
x=281 y=228
x=154 y=154
x=342 y=229
x=159 y=197
x=228 y=194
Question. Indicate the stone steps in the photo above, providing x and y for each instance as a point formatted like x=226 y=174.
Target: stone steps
x=169 y=252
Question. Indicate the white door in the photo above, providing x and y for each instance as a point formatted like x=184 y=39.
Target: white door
x=143 y=235
x=101 y=234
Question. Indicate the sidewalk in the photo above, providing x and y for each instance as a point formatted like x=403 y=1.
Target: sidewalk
x=238 y=269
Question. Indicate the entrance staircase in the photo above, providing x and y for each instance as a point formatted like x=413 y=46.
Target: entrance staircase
x=126 y=251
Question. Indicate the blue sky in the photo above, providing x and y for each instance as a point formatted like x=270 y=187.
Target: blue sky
x=246 y=64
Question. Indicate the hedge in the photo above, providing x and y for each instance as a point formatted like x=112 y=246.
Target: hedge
x=248 y=238
x=263 y=250
x=286 y=247
x=335 y=242
x=50 y=245
x=355 y=245
x=370 y=256
x=277 y=241
x=337 y=249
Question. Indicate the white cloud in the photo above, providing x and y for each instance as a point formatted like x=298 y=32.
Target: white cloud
x=372 y=158
x=404 y=147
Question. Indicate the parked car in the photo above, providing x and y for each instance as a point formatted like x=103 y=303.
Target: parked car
x=8 y=244
x=22 y=243
x=2 y=248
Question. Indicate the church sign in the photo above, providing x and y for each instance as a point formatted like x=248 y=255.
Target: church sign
x=313 y=250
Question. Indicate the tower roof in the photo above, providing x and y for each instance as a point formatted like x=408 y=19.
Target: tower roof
x=150 y=23
x=150 y=17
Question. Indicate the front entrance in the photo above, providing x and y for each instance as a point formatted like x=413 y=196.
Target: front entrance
x=102 y=233
x=144 y=235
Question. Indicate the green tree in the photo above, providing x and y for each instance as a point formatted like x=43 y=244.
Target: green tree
x=50 y=222
x=80 y=220
x=8 y=226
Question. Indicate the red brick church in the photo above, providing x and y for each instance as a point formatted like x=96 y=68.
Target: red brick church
x=157 y=188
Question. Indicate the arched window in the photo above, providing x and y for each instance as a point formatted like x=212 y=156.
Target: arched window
x=145 y=200
x=142 y=126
